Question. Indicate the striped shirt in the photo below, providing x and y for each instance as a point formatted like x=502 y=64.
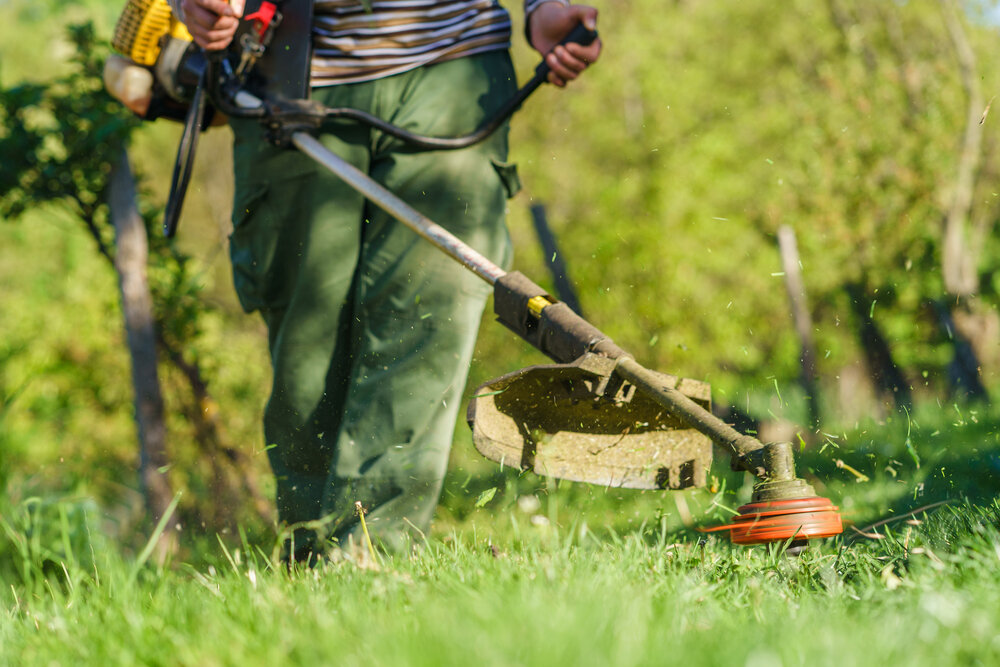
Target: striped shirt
x=362 y=40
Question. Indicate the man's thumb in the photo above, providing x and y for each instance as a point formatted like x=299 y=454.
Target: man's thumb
x=586 y=15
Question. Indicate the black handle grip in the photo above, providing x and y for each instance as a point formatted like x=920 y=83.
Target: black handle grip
x=579 y=35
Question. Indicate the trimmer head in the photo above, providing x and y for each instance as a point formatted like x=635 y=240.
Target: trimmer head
x=782 y=520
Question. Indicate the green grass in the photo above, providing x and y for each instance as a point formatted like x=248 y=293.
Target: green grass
x=552 y=573
x=926 y=594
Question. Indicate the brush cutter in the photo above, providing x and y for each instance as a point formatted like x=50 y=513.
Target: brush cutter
x=596 y=415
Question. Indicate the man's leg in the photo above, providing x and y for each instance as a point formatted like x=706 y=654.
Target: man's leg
x=295 y=249
x=417 y=311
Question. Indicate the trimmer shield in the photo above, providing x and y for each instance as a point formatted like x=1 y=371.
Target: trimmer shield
x=571 y=421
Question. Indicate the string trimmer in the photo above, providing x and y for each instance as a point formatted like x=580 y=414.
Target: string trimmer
x=596 y=415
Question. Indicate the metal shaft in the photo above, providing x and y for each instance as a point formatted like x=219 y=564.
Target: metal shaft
x=440 y=237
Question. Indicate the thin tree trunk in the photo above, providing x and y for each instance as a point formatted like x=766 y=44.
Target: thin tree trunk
x=958 y=260
x=889 y=382
x=800 y=316
x=202 y=412
x=205 y=425
x=959 y=257
x=130 y=263
x=964 y=370
x=554 y=259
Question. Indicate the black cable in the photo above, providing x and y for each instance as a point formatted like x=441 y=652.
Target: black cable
x=426 y=143
x=184 y=163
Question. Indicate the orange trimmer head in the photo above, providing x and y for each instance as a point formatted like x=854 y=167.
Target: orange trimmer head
x=783 y=520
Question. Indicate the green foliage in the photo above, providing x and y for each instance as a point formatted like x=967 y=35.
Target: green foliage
x=68 y=133
x=65 y=135
x=669 y=167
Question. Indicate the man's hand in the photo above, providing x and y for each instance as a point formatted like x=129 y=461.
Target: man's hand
x=548 y=25
x=212 y=23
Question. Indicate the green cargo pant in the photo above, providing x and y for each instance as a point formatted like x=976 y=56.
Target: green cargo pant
x=371 y=329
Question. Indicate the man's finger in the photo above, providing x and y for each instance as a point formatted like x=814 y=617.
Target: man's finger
x=203 y=19
x=560 y=70
x=217 y=7
x=570 y=61
x=217 y=34
x=214 y=31
x=587 y=54
x=585 y=15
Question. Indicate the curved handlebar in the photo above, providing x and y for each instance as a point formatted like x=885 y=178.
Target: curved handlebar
x=217 y=79
x=221 y=86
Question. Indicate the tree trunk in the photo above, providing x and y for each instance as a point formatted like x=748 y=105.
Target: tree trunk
x=202 y=412
x=964 y=370
x=554 y=259
x=958 y=256
x=800 y=316
x=889 y=382
x=979 y=324
x=958 y=260
x=130 y=263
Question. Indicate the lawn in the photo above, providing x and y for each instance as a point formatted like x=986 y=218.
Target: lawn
x=547 y=573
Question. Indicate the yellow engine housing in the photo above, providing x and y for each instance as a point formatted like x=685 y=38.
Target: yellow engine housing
x=141 y=28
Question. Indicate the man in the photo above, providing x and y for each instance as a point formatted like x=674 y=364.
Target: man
x=371 y=330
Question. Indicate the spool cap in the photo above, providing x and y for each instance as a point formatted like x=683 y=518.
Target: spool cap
x=781 y=520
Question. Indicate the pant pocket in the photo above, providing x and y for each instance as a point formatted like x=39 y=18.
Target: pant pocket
x=507 y=171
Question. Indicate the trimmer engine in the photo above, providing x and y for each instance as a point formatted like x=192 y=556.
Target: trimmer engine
x=141 y=27
x=159 y=65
